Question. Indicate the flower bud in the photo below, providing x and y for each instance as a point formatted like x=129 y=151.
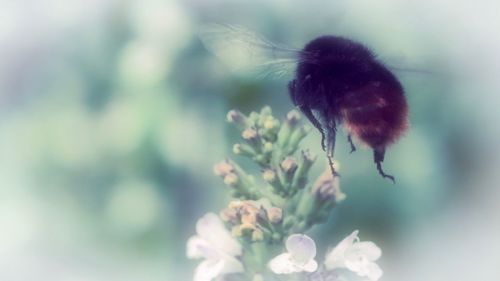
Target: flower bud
x=293 y=117
x=237 y=148
x=269 y=175
x=253 y=117
x=237 y=118
x=236 y=231
x=249 y=134
x=327 y=188
x=246 y=228
x=223 y=168
x=253 y=139
x=269 y=124
x=249 y=208
x=229 y=215
x=275 y=215
x=266 y=110
x=287 y=130
x=289 y=165
x=257 y=235
x=235 y=204
x=243 y=149
x=250 y=219
x=308 y=156
x=268 y=147
x=231 y=179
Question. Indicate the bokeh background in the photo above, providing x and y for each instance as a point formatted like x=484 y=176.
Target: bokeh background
x=112 y=114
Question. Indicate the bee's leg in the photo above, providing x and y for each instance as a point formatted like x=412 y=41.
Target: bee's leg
x=353 y=148
x=308 y=113
x=332 y=132
x=378 y=157
x=292 y=91
x=306 y=110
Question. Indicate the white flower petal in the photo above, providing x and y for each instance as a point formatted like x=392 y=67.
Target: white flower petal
x=195 y=248
x=301 y=248
x=311 y=266
x=356 y=256
x=215 y=244
x=365 y=268
x=368 y=249
x=335 y=258
x=374 y=271
x=282 y=264
x=211 y=229
x=356 y=264
x=208 y=270
x=231 y=265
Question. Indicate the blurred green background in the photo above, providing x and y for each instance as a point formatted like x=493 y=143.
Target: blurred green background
x=113 y=113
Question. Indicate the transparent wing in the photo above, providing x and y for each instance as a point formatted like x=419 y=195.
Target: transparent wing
x=401 y=65
x=245 y=51
x=410 y=70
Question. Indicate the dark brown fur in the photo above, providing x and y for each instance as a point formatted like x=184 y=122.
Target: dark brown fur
x=339 y=81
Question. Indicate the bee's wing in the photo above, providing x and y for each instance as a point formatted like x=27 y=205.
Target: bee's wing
x=245 y=51
x=400 y=65
x=409 y=70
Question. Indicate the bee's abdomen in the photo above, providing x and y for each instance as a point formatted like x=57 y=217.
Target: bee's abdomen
x=377 y=114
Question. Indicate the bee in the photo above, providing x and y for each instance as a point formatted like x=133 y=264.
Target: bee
x=337 y=82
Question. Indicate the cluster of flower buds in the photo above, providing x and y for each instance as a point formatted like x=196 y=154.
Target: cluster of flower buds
x=254 y=220
x=259 y=132
x=265 y=137
x=272 y=145
x=242 y=185
x=265 y=210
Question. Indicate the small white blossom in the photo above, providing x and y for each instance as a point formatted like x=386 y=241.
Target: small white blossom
x=356 y=256
x=299 y=257
x=215 y=244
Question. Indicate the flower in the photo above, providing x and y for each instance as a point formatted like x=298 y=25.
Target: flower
x=299 y=257
x=214 y=243
x=327 y=187
x=356 y=256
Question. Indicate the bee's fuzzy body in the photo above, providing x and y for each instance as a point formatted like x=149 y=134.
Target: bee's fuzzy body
x=340 y=81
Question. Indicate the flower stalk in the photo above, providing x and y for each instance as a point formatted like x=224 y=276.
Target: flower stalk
x=271 y=208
